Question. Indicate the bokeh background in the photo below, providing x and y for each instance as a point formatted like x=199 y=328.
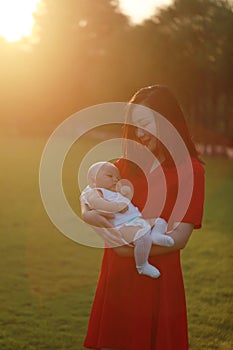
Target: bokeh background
x=74 y=54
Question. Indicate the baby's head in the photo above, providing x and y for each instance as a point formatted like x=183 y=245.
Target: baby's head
x=103 y=174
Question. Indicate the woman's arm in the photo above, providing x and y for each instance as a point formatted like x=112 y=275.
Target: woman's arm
x=180 y=234
x=94 y=218
x=102 y=226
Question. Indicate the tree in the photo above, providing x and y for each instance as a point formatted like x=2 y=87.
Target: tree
x=195 y=40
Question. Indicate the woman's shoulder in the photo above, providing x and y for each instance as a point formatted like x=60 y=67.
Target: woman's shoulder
x=192 y=168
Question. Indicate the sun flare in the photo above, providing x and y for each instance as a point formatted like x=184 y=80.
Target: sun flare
x=16 y=18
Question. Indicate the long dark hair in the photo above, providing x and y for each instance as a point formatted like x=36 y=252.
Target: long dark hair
x=160 y=99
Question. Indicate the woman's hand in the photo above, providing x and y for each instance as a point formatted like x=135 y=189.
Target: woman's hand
x=102 y=226
x=95 y=219
x=125 y=251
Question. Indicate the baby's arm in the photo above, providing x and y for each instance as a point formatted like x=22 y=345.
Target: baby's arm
x=97 y=202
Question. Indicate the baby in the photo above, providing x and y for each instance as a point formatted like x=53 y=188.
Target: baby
x=108 y=194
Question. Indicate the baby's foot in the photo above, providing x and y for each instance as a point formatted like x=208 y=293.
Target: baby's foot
x=158 y=234
x=148 y=270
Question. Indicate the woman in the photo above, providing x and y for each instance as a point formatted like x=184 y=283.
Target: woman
x=133 y=312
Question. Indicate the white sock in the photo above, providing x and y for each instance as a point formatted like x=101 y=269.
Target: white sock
x=158 y=234
x=141 y=254
x=148 y=270
x=160 y=225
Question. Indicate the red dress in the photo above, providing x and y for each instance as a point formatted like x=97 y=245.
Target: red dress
x=135 y=312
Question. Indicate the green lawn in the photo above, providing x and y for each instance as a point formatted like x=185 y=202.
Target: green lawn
x=48 y=281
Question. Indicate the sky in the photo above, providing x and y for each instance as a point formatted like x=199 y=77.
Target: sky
x=139 y=10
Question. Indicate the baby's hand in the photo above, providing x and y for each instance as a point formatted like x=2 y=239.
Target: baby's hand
x=125 y=187
x=125 y=190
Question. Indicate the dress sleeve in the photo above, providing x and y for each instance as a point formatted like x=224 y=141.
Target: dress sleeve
x=194 y=214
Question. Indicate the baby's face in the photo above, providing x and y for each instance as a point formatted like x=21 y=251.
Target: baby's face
x=107 y=177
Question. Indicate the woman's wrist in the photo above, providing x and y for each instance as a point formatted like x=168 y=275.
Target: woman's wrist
x=88 y=216
x=124 y=251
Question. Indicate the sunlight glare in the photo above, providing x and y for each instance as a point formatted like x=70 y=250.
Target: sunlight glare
x=16 y=18
x=139 y=10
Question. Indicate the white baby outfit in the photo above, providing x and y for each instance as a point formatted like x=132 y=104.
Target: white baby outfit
x=132 y=217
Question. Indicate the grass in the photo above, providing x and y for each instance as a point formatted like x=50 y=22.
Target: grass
x=48 y=281
x=207 y=262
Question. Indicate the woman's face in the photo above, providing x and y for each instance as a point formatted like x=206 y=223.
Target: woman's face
x=145 y=124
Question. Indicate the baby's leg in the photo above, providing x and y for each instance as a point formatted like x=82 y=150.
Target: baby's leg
x=141 y=254
x=129 y=232
x=158 y=234
x=141 y=249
